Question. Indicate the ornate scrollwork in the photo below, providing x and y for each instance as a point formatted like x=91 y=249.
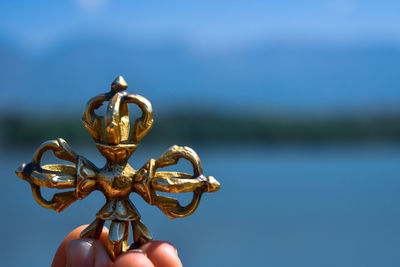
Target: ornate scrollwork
x=117 y=179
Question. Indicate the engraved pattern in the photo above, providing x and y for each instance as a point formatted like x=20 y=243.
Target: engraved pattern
x=116 y=141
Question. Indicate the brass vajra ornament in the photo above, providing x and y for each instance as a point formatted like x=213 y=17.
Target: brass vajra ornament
x=116 y=141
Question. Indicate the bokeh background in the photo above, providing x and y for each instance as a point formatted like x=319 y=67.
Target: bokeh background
x=294 y=106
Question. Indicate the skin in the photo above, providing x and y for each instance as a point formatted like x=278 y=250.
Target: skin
x=84 y=252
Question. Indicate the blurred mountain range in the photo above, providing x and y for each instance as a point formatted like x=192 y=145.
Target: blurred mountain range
x=292 y=77
x=267 y=92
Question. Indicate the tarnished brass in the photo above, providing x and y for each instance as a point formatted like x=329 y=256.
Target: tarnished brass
x=116 y=141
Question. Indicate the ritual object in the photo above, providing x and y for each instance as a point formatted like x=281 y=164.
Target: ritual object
x=117 y=140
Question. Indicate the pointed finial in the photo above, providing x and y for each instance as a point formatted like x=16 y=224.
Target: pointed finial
x=119 y=84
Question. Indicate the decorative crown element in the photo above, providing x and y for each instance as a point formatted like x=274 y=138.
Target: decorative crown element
x=116 y=140
x=114 y=137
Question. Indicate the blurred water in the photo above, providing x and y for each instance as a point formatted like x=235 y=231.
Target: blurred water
x=332 y=206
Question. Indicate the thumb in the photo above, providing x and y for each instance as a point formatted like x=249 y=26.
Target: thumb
x=87 y=253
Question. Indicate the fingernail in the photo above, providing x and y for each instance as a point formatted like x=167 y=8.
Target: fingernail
x=137 y=250
x=80 y=253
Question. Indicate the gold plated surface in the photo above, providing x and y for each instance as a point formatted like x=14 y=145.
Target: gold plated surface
x=117 y=140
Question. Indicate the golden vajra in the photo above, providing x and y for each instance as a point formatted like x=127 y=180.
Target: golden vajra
x=117 y=179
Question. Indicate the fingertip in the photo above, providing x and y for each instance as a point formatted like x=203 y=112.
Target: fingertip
x=150 y=247
x=79 y=253
x=135 y=258
x=60 y=256
x=101 y=257
x=87 y=253
x=162 y=254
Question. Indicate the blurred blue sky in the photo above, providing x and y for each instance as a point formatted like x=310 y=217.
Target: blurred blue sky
x=262 y=55
x=207 y=24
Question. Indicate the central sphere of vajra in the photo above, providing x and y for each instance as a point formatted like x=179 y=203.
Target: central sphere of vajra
x=117 y=140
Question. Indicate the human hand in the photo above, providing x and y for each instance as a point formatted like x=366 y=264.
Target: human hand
x=86 y=252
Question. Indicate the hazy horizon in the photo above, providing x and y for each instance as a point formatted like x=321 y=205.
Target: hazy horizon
x=229 y=56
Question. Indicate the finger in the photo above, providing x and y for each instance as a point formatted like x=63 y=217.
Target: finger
x=87 y=253
x=162 y=254
x=135 y=258
x=60 y=256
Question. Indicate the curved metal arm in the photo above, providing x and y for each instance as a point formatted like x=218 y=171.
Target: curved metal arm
x=142 y=125
x=52 y=175
x=90 y=120
x=174 y=182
